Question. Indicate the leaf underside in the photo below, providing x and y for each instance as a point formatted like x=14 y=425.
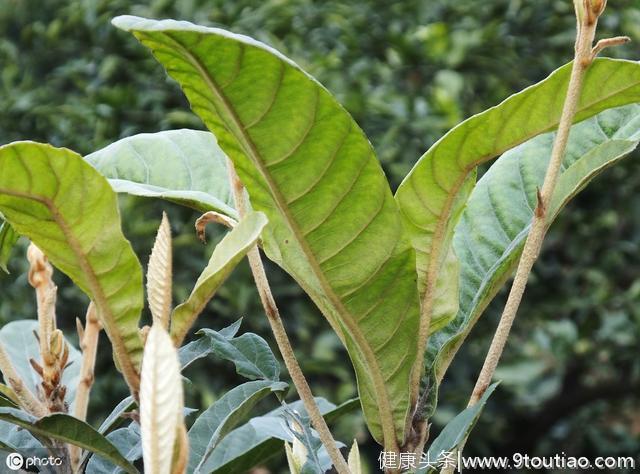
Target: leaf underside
x=333 y=222
x=53 y=197
x=67 y=429
x=495 y=223
x=432 y=195
x=160 y=275
x=183 y=166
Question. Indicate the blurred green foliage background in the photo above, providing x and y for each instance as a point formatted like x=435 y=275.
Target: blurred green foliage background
x=408 y=71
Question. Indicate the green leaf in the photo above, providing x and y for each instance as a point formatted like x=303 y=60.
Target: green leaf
x=183 y=166
x=249 y=352
x=56 y=199
x=495 y=223
x=114 y=418
x=68 y=429
x=308 y=166
x=19 y=341
x=8 y=238
x=15 y=439
x=433 y=194
x=262 y=437
x=200 y=348
x=127 y=441
x=457 y=430
x=226 y=256
x=221 y=417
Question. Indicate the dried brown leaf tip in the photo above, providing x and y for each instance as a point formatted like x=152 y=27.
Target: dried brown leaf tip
x=212 y=217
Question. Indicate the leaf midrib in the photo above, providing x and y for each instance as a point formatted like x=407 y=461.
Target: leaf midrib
x=386 y=414
x=436 y=245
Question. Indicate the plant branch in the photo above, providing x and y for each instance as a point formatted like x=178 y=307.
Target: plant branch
x=41 y=279
x=587 y=13
x=54 y=351
x=88 y=337
x=280 y=334
x=27 y=399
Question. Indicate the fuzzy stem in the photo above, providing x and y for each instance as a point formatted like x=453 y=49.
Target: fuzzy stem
x=280 y=335
x=583 y=58
x=89 y=344
x=41 y=279
x=587 y=14
x=28 y=401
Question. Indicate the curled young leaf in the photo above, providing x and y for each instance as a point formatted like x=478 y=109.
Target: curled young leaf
x=226 y=256
x=159 y=275
x=308 y=166
x=161 y=401
x=495 y=223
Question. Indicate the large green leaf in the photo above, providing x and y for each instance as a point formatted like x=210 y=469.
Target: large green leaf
x=202 y=347
x=56 y=199
x=183 y=166
x=495 y=223
x=261 y=437
x=432 y=195
x=250 y=353
x=19 y=341
x=221 y=417
x=226 y=256
x=65 y=428
x=333 y=223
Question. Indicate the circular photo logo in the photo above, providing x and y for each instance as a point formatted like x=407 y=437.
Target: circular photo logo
x=14 y=461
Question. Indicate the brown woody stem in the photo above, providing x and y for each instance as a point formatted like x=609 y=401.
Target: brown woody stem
x=280 y=335
x=584 y=55
x=89 y=344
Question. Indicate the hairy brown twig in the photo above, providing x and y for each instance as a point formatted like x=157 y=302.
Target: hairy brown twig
x=280 y=334
x=587 y=13
x=88 y=337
